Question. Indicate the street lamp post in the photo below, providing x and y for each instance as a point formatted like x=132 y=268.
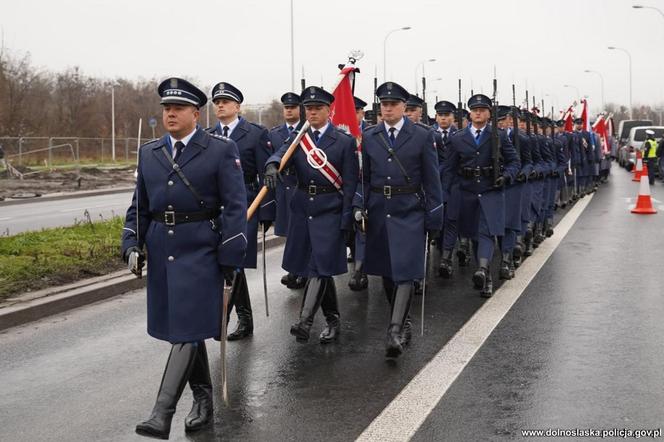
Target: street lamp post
x=601 y=77
x=405 y=28
x=578 y=93
x=113 y=122
x=648 y=7
x=629 y=56
x=421 y=63
x=292 y=48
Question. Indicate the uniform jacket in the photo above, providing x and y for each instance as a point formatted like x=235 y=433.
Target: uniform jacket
x=184 y=280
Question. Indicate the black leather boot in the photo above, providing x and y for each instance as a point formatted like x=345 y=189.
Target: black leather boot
x=240 y=298
x=400 y=306
x=201 y=387
x=548 y=228
x=506 y=271
x=537 y=235
x=480 y=276
x=330 y=309
x=358 y=280
x=446 y=268
x=517 y=253
x=288 y=279
x=298 y=283
x=313 y=296
x=176 y=374
x=487 y=290
x=528 y=241
x=464 y=252
x=407 y=332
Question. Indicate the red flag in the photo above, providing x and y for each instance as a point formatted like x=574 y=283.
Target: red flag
x=342 y=111
x=569 y=119
x=584 y=116
x=600 y=129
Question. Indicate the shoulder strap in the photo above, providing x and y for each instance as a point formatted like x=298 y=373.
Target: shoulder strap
x=184 y=179
x=392 y=154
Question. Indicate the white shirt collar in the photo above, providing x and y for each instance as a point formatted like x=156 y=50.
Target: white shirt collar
x=184 y=140
x=473 y=129
x=398 y=126
x=231 y=126
x=322 y=130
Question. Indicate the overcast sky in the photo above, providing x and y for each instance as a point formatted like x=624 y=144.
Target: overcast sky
x=541 y=44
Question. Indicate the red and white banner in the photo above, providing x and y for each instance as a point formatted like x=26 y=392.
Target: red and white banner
x=600 y=128
x=318 y=160
x=342 y=110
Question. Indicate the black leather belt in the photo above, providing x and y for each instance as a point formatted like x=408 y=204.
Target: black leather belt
x=476 y=172
x=171 y=217
x=315 y=189
x=388 y=191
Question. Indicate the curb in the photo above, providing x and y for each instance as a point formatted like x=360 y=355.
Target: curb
x=43 y=303
x=64 y=196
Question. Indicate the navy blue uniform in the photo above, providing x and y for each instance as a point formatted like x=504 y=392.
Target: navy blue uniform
x=287 y=185
x=252 y=143
x=316 y=246
x=397 y=223
x=184 y=279
x=481 y=214
x=514 y=195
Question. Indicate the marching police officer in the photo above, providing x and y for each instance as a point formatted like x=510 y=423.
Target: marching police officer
x=445 y=117
x=358 y=279
x=326 y=166
x=403 y=201
x=252 y=142
x=184 y=178
x=482 y=199
x=286 y=187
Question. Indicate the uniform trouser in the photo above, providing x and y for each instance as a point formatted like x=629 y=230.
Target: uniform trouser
x=550 y=203
x=484 y=241
x=661 y=169
x=240 y=297
x=508 y=241
x=450 y=233
x=652 y=164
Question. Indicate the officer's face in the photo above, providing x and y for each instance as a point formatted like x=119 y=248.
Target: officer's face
x=317 y=115
x=291 y=113
x=522 y=125
x=445 y=120
x=179 y=119
x=392 y=111
x=226 y=109
x=578 y=126
x=414 y=113
x=480 y=115
x=509 y=122
x=502 y=124
x=359 y=113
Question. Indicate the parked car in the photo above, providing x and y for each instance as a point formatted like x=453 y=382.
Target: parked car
x=623 y=135
x=635 y=140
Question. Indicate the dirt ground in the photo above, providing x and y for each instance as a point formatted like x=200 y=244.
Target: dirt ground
x=56 y=180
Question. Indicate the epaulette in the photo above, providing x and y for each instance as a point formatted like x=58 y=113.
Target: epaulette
x=150 y=141
x=419 y=123
x=366 y=128
x=256 y=125
x=275 y=127
x=341 y=131
x=220 y=137
x=457 y=133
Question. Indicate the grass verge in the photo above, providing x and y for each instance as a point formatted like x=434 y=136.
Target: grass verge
x=36 y=260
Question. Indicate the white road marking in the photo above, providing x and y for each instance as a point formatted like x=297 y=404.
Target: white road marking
x=6 y=218
x=401 y=419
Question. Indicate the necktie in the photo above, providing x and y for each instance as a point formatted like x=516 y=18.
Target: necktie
x=179 y=147
x=225 y=131
x=444 y=135
x=316 y=135
x=290 y=129
x=392 y=137
x=478 y=132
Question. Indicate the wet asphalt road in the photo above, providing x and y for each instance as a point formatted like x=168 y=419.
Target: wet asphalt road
x=574 y=350
x=42 y=214
x=582 y=347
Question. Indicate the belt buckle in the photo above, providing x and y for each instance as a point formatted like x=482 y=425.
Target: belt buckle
x=387 y=191
x=169 y=218
x=477 y=172
x=312 y=189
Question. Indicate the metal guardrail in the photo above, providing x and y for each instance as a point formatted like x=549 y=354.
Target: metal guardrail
x=39 y=151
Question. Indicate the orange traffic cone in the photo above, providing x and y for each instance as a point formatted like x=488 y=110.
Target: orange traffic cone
x=643 y=201
x=638 y=169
